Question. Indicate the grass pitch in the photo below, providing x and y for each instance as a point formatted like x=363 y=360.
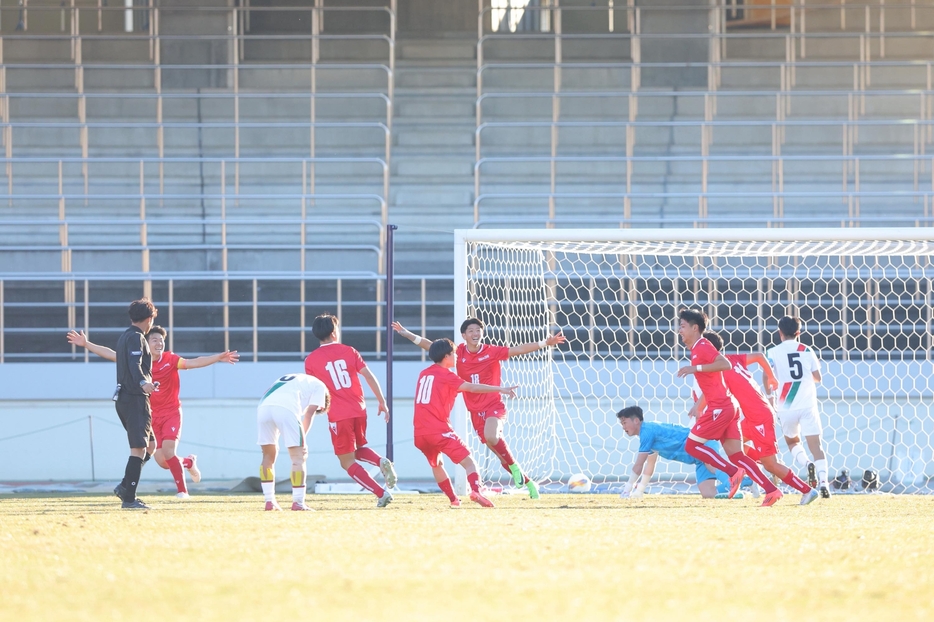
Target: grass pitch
x=562 y=558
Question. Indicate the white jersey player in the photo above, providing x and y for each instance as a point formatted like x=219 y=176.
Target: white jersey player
x=287 y=408
x=797 y=369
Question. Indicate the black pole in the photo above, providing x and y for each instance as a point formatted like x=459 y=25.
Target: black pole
x=390 y=290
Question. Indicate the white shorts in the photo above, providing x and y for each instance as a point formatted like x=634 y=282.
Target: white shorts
x=273 y=420
x=805 y=421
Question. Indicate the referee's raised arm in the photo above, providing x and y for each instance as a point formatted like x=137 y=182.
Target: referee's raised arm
x=134 y=384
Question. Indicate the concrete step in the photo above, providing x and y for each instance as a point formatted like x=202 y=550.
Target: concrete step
x=431 y=77
x=463 y=50
x=452 y=107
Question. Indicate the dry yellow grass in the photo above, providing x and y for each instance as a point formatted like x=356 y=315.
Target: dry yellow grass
x=563 y=558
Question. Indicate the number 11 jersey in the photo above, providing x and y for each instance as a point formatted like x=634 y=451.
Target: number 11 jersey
x=794 y=364
x=338 y=367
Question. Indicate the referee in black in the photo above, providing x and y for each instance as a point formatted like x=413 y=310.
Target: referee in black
x=134 y=384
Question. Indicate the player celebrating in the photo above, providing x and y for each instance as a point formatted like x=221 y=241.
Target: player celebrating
x=719 y=421
x=166 y=406
x=287 y=408
x=435 y=393
x=798 y=372
x=338 y=366
x=660 y=439
x=758 y=420
x=478 y=362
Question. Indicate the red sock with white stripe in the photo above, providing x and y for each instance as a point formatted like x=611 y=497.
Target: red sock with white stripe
x=359 y=475
x=795 y=482
x=752 y=470
x=447 y=489
x=175 y=466
x=365 y=454
x=709 y=456
x=474 y=480
x=187 y=462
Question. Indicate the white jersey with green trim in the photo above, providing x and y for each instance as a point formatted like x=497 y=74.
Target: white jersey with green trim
x=794 y=365
x=295 y=392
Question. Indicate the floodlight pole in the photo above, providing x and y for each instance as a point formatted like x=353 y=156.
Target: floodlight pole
x=390 y=318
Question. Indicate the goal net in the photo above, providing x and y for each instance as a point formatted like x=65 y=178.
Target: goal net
x=864 y=297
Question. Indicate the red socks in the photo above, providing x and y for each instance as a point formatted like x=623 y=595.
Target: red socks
x=359 y=475
x=175 y=466
x=474 y=480
x=365 y=454
x=709 y=456
x=187 y=462
x=752 y=470
x=447 y=489
x=503 y=452
x=795 y=482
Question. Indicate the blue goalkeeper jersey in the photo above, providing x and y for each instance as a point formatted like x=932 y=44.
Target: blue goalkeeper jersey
x=667 y=440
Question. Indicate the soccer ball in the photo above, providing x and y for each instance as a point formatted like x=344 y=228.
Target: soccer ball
x=579 y=483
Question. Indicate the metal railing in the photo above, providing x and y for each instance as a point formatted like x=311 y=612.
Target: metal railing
x=247 y=335
x=868 y=52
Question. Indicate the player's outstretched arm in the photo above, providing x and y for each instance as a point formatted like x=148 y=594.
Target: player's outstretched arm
x=473 y=387
x=771 y=382
x=229 y=356
x=418 y=340
x=81 y=340
x=646 y=477
x=634 y=475
x=532 y=346
x=720 y=364
x=377 y=390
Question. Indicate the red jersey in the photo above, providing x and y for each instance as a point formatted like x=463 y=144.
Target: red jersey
x=710 y=382
x=338 y=366
x=482 y=367
x=165 y=372
x=435 y=393
x=746 y=391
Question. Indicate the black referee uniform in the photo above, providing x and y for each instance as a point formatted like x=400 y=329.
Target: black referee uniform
x=134 y=369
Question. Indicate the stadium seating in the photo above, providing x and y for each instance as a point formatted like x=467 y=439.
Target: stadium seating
x=117 y=143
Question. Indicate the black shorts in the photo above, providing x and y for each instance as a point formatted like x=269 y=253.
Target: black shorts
x=136 y=417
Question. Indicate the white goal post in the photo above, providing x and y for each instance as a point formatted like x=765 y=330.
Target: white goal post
x=864 y=296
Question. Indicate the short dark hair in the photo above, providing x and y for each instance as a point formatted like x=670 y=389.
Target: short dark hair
x=324 y=325
x=439 y=349
x=142 y=309
x=715 y=339
x=157 y=330
x=630 y=412
x=694 y=316
x=789 y=326
x=469 y=322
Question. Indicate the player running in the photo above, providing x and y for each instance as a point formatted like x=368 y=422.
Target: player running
x=287 y=408
x=666 y=440
x=798 y=372
x=720 y=420
x=478 y=362
x=337 y=366
x=435 y=393
x=166 y=406
x=758 y=417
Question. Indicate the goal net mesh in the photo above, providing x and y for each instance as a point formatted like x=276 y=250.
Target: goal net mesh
x=865 y=306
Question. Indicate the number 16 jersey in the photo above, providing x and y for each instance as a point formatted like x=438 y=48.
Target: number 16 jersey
x=338 y=367
x=794 y=364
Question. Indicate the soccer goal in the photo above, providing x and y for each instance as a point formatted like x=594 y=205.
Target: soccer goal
x=864 y=296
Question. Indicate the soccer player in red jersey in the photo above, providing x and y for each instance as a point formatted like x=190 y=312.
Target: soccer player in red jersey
x=338 y=367
x=720 y=420
x=479 y=363
x=758 y=416
x=166 y=406
x=435 y=393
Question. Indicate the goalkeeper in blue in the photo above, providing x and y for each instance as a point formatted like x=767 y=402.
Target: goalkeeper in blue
x=665 y=440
